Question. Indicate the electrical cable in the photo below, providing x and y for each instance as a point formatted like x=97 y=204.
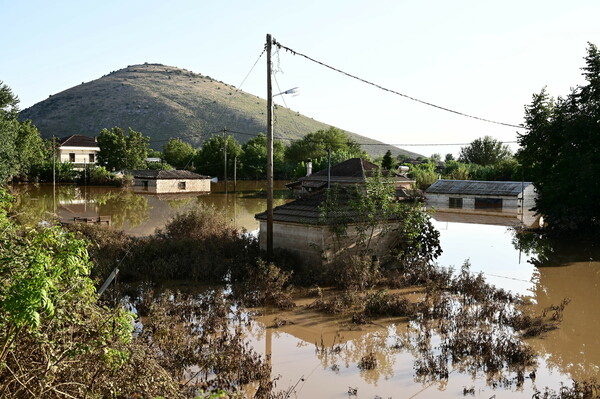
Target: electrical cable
x=251 y=69
x=279 y=45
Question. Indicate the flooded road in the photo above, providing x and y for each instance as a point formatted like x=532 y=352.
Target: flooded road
x=317 y=356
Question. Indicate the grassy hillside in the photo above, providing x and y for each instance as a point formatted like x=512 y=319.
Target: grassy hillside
x=162 y=102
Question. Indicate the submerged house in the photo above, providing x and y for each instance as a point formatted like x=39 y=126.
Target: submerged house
x=348 y=173
x=304 y=227
x=78 y=150
x=169 y=181
x=503 y=198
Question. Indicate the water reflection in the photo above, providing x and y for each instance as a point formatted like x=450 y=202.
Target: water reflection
x=325 y=351
x=140 y=214
x=574 y=348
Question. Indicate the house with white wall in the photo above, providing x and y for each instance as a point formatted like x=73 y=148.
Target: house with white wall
x=500 y=198
x=78 y=150
x=169 y=181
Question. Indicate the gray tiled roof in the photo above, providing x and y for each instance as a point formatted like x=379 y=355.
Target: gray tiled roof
x=307 y=210
x=78 y=140
x=166 y=174
x=353 y=170
x=475 y=187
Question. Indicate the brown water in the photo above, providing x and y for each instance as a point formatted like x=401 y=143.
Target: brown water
x=318 y=355
x=141 y=214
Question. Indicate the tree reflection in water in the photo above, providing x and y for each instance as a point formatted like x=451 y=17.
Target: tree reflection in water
x=568 y=267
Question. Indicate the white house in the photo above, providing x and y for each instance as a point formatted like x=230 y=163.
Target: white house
x=501 y=198
x=78 y=150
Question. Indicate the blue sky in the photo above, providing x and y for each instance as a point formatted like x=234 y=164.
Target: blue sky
x=478 y=57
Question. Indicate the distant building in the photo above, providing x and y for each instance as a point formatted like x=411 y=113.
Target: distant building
x=501 y=198
x=169 y=181
x=350 y=172
x=78 y=150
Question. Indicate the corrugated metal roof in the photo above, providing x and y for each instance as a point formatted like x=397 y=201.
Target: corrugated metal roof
x=475 y=187
x=166 y=174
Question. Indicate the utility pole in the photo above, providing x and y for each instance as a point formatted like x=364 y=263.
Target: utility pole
x=235 y=174
x=54 y=175
x=225 y=158
x=328 y=168
x=269 y=153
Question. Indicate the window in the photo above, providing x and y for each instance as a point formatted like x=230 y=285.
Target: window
x=455 y=203
x=92 y=158
x=488 y=203
x=72 y=157
x=181 y=185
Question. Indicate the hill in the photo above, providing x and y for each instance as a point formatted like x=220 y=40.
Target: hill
x=163 y=102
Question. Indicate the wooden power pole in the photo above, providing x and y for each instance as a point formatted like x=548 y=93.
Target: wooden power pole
x=269 y=153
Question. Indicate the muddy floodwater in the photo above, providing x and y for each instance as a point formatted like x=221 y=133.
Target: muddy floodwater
x=317 y=356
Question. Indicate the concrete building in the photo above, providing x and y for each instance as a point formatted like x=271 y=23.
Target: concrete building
x=300 y=226
x=78 y=150
x=500 y=198
x=169 y=181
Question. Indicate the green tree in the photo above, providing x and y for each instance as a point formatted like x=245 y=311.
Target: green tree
x=178 y=153
x=30 y=148
x=21 y=146
x=254 y=157
x=118 y=151
x=315 y=145
x=560 y=150
x=9 y=130
x=388 y=161
x=50 y=323
x=137 y=149
x=209 y=159
x=484 y=151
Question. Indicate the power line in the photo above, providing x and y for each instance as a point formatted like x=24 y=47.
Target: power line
x=279 y=45
x=251 y=69
x=431 y=144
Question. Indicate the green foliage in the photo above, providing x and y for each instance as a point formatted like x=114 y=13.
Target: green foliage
x=99 y=176
x=484 y=151
x=8 y=149
x=561 y=151
x=50 y=168
x=178 y=153
x=424 y=174
x=372 y=230
x=158 y=166
x=50 y=323
x=388 y=161
x=21 y=146
x=254 y=158
x=118 y=151
x=315 y=145
x=209 y=160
